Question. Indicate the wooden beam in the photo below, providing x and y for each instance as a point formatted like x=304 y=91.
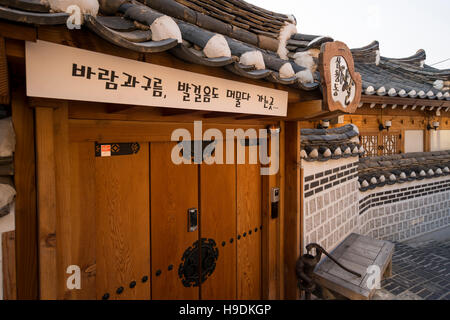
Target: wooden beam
x=305 y=110
x=45 y=102
x=404 y=101
x=118 y=108
x=17 y=31
x=255 y=117
x=152 y=131
x=366 y=110
x=4 y=76
x=46 y=191
x=171 y=112
x=211 y=115
x=9 y=265
x=15 y=48
x=292 y=212
x=25 y=182
x=327 y=116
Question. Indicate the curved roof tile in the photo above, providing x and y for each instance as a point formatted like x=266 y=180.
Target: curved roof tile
x=403 y=77
x=402 y=168
x=330 y=144
x=128 y=24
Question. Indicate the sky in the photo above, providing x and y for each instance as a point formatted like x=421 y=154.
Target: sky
x=401 y=26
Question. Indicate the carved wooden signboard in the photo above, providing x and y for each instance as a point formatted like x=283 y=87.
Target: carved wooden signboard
x=341 y=85
x=62 y=72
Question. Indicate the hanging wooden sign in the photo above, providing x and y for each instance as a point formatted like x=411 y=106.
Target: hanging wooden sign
x=62 y=72
x=342 y=86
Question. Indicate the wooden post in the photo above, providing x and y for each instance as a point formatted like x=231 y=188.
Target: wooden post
x=281 y=184
x=63 y=208
x=25 y=182
x=292 y=211
x=270 y=241
x=9 y=265
x=427 y=140
x=46 y=191
x=52 y=149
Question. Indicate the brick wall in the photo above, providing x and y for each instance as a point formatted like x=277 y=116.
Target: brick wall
x=404 y=211
x=334 y=206
x=330 y=201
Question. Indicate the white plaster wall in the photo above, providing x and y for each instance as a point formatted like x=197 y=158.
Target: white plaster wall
x=440 y=140
x=6 y=224
x=414 y=141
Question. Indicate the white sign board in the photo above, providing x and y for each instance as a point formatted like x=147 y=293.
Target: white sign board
x=414 y=141
x=62 y=72
x=440 y=140
x=343 y=86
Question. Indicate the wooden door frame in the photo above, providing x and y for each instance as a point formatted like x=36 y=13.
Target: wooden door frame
x=26 y=199
x=293 y=210
x=55 y=130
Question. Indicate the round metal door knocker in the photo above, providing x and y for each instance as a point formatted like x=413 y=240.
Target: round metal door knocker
x=188 y=271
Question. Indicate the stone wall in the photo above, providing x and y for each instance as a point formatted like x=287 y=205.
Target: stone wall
x=392 y=197
x=404 y=211
x=334 y=206
x=330 y=201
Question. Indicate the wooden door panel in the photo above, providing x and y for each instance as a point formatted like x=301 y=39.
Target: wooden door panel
x=369 y=141
x=249 y=221
x=381 y=143
x=174 y=190
x=218 y=222
x=82 y=217
x=123 y=231
x=390 y=143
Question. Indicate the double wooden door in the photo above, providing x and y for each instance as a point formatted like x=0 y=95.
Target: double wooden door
x=381 y=143
x=166 y=231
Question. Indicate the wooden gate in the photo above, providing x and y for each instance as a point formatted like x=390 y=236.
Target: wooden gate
x=146 y=245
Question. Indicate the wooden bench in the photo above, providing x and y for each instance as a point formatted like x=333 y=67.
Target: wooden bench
x=357 y=253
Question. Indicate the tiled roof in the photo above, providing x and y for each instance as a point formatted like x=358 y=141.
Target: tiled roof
x=245 y=39
x=387 y=170
x=406 y=77
x=328 y=144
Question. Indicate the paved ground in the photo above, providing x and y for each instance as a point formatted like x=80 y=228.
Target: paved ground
x=421 y=271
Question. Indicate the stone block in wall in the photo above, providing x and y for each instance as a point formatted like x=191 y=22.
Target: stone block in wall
x=7 y=195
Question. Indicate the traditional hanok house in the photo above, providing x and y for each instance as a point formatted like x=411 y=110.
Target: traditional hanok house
x=404 y=128
x=384 y=171
x=110 y=214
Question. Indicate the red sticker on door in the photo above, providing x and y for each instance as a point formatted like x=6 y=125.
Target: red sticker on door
x=106 y=150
